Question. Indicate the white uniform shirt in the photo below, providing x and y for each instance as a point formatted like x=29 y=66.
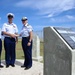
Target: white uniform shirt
x=0 y=33
x=25 y=30
x=10 y=28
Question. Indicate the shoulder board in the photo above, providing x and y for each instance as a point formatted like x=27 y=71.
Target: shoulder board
x=27 y=24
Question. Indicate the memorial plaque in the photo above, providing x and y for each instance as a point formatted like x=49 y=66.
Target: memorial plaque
x=68 y=35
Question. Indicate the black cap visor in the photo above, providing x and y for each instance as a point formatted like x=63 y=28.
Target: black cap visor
x=24 y=19
x=10 y=16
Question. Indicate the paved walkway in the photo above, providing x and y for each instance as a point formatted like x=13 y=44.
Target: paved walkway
x=37 y=69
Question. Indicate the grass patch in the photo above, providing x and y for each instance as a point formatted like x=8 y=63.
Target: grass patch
x=19 y=51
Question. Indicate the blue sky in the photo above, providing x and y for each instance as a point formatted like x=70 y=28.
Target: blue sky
x=40 y=13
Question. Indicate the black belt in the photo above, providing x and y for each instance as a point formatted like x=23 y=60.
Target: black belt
x=25 y=37
x=9 y=37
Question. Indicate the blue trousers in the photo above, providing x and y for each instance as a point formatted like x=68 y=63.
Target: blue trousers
x=0 y=49
x=9 y=45
x=27 y=52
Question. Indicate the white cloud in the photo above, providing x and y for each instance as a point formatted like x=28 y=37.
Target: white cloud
x=24 y=3
x=67 y=18
x=70 y=17
x=48 y=16
x=49 y=7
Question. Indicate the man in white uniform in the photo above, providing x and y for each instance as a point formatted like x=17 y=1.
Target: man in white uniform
x=10 y=32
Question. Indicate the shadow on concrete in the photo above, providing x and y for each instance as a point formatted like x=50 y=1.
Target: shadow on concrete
x=17 y=62
x=3 y=62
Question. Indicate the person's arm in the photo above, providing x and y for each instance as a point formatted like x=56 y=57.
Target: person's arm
x=6 y=33
x=17 y=37
x=31 y=36
x=21 y=33
x=9 y=34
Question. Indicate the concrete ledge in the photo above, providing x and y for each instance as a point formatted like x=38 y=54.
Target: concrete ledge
x=37 y=69
x=40 y=58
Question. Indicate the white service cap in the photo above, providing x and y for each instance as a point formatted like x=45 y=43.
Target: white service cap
x=10 y=15
x=24 y=18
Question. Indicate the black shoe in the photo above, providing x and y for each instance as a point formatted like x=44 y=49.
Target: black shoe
x=22 y=66
x=1 y=66
x=26 y=68
x=12 y=65
x=7 y=66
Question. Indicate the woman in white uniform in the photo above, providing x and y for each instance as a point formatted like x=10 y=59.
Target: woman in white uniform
x=26 y=34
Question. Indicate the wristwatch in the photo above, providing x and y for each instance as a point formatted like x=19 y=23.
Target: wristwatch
x=29 y=41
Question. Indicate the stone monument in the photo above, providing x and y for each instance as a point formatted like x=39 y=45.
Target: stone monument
x=36 y=48
x=59 y=51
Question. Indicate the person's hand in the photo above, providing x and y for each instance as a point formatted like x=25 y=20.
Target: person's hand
x=29 y=43
x=13 y=35
x=17 y=35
